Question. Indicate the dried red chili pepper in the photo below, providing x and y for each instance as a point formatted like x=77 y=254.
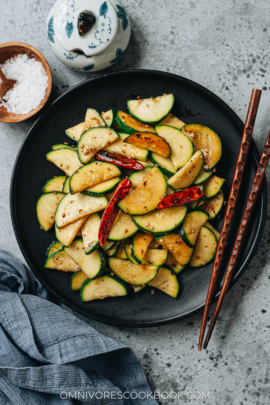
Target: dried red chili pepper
x=119 y=160
x=111 y=210
x=181 y=198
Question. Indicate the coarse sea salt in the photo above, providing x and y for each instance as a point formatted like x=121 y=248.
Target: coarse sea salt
x=31 y=86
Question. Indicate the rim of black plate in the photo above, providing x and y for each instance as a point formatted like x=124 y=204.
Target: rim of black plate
x=31 y=132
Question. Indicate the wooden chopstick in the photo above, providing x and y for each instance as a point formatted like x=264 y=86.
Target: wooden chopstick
x=234 y=191
x=256 y=185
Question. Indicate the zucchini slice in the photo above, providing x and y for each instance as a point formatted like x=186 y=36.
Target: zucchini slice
x=76 y=132
x=191 y=226
x=94 y=140
x=137 y=177
x=128 y=250
x=138 y=288
x=66 y=159
x=173 y=121
x=77 y=280
x=202 y=176
x=140 y=244
x=213 y=186
x=108 y=245
x=207 y=141
x=205 y=248
x=62 y=146
x=113 y=250
x=92 y=174
x=77 y=206
x=213 y=205
x=132 y=273
x=181 y=145
x=166 y=281
x=92 y=264
x=166 y=165
x=155 y=257
x=123 y=227
x=54 y=247
x=102 y=189
x=90 y=233
x=61 y=261
x=121 y=254
x=161 y=221
x=108 y=117
x=54 y=184
x=68 y=233
x=151 y=110
x=125 y=149
x=93 y=119
x=214 y=230
x=151 y=142
x=46 y=208
x=173 y=264
x=146 y=196
x=177 y=247
x=66 y=186
x=185 y=176
x=130 y=125
x=102 y=287
x=146 y=164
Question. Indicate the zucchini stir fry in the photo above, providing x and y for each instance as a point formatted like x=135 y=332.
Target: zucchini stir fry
x=133 y=206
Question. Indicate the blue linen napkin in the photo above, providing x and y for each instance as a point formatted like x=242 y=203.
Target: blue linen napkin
x=48 y=356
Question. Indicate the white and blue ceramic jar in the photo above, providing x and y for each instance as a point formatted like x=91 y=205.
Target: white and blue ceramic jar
x=88 y=35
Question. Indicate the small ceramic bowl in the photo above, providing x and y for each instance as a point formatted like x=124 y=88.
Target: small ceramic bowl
x=11 y=49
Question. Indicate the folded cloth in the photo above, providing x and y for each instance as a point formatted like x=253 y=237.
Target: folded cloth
x=48 y=356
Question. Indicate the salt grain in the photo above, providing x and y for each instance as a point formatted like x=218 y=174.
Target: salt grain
x=31 y=86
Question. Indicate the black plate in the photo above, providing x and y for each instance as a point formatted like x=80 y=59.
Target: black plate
x=193 y=104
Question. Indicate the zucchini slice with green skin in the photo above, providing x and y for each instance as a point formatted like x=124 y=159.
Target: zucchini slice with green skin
x=177 y=247
x=161 y=221
x=46 y=208
x=61 y=261
x=206 y=140
x=166 y=165
x=137 y=177
x=90 y=231
x=73 y=207
x=123 y=227
x=166 y=281
x=92 y=174
x=92 y=264
x=76 y=132
x=151 y=142
x=213 y=186
x=202 y=176
x=213 y=205
x=173 y=264
x=103 y=287
x=108 y=117
x=54 y=184
x=146 y=196
x=102 y=189
x=77 y=280
x=205 y=248
x=192 y=225
x=68 y=233
x=132 y=273
x=113 y=250
x=173 y=121
x=130 y=125
x=186 y=176
x=66 y=159
x=155 y=257
x=125 y=149
x=108 y=245
x=66 y=186
x=181 y=145
x=94 y=140
x=151 y=110
x=62 y=146
x=128 y=250
x=140 y=244
x=54 y=247
x=214 y=230
x=93 y=119
x=121 y=254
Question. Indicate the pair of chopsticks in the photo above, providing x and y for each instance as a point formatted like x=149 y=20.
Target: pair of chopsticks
x=256 y=185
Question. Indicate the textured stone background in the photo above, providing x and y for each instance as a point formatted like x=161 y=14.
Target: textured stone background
x=225 y=47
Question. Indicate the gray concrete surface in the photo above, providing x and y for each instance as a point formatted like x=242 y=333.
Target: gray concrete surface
x=225 y=47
